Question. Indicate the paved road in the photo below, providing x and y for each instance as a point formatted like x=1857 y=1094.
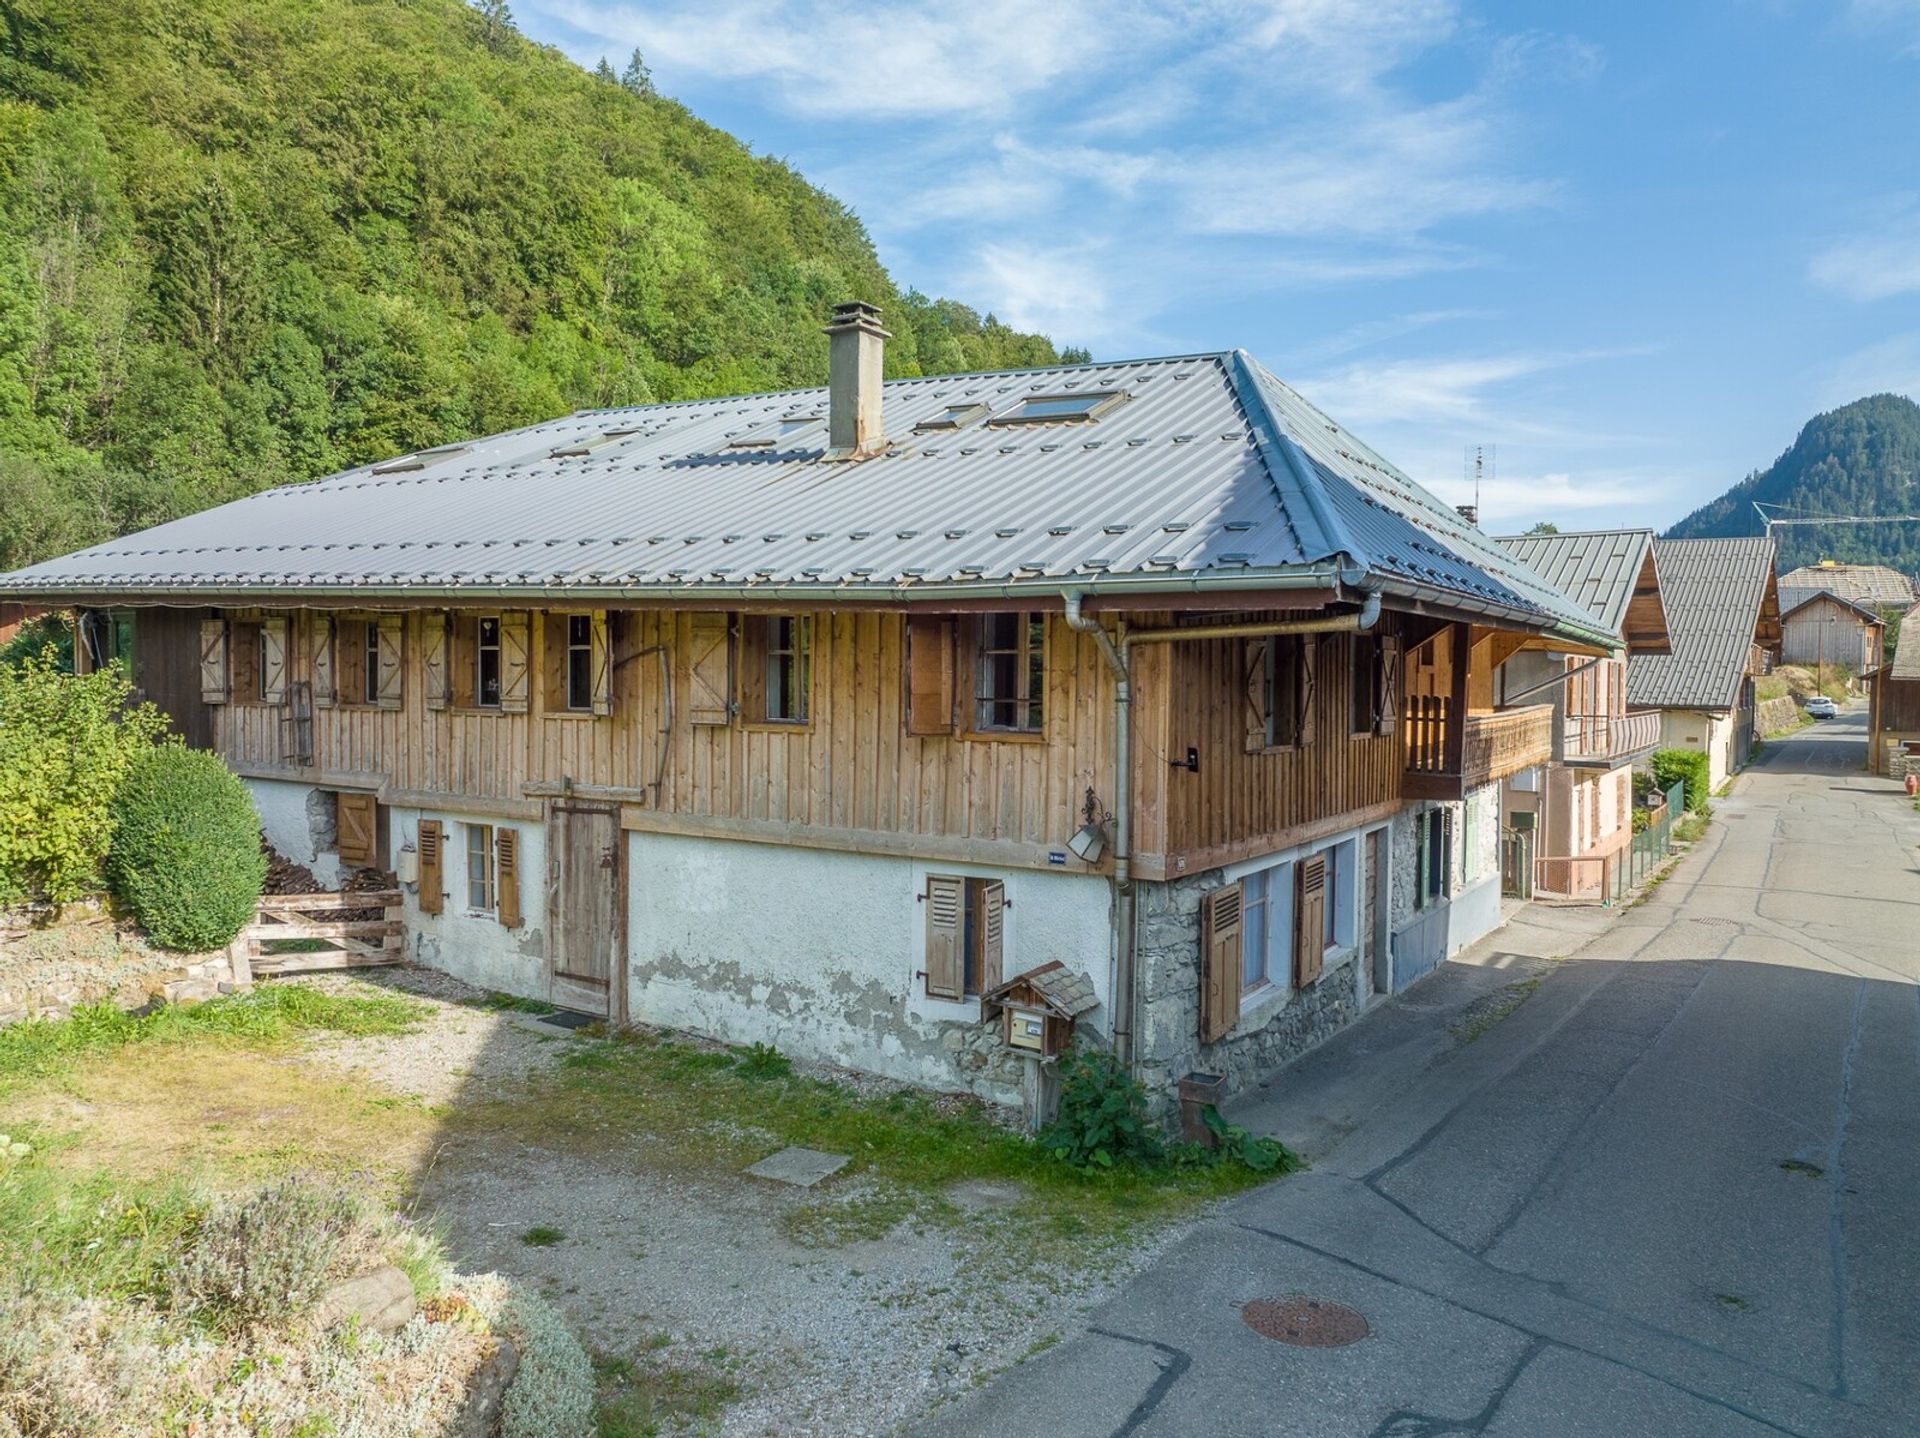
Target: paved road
x=1676 y=1192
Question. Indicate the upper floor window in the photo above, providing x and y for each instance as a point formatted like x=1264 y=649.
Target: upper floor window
x=775 y=667
x=1279 y=691
x=1010 y=673
x=579 y=661
x=486 y=664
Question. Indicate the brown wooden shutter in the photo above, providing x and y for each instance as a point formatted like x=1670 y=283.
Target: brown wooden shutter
x=709 y=671
x=990 y=923
x=946 y=958
x=930 y=673
x=433 y=660
x=215 y=676
x=1253 y=691
x=1221 y=936
x=356 y=827
x=1309 y=920
x=1388 y=690
x=324 y=691
x=391 y=675
x=506 y=876
x=433 y=896
x=1309 y=666
x=602 y=663
x=273 y=661
x=516 y=646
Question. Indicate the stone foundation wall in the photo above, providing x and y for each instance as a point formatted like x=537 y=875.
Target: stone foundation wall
x=1775 y=716
x=53 y=987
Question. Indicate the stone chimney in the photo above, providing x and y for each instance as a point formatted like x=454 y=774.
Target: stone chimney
x=857 y=349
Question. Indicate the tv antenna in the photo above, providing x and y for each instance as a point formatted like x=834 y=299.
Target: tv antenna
x=1480 y=465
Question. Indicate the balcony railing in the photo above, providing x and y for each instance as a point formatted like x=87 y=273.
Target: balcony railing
x=1494 y=746
x=1609 y=738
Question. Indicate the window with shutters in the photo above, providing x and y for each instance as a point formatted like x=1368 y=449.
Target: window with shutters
x=1342 y=862
x=1434 y=857
x=1278 y=691
x=480 y=868
x=243 y=653
x=579 y=662
x=486 y=664
x=929 y=682
x=1010 y=673
x=489 y=663
x=576 y=663
x=966 y=936
x=775 y=667
x=356 y=660
x=1222 y=959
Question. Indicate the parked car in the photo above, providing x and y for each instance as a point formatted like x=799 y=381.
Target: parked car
x=1821 y=707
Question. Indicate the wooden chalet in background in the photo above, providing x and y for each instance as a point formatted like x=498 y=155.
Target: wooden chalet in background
x=812 y=718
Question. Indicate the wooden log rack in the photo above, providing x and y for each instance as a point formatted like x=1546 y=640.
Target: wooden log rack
x=355 y=943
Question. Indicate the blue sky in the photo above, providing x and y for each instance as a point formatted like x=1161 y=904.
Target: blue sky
x=1632 y=246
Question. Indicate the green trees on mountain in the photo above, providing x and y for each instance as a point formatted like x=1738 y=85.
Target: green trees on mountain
x=244 y=242
x=1860 y=459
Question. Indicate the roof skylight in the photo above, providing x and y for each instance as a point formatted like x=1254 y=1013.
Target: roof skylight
x=420 y=460
x=956 y=416
x=1063 y=408
x=769 y=435
x=591 y=443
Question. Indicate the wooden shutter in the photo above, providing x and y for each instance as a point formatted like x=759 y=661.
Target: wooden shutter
x=1221 y=936
x=273 y=661
x=433 y=659
x=516 y=646
x=946 y=956
x=387 y=636
x=432 y=889
x=506 y=876
x=1309 y=665
x=602 y=664
x=356 y=827
x=324 y=690
x=1253 y=691
x=990 y=920
x=215 y=685
x=1387 y=691
x=1309 y=919
x=709 y=671
x=930 y=673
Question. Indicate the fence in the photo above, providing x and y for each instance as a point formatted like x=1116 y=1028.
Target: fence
x=1608 y=877
x=295 y=933
x=1516 y=863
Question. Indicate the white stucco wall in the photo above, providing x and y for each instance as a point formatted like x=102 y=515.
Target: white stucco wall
x=475 y=946
x=287 y=820
x=820 y=953
x=1702 y=732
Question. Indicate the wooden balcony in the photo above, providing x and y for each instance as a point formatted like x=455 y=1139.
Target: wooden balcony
x=1492 y=746
x=1609 y=739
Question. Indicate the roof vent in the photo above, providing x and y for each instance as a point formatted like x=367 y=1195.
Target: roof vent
x=1469 y=512
x=855 y=357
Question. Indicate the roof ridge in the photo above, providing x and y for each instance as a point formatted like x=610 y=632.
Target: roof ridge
x=1294 y=474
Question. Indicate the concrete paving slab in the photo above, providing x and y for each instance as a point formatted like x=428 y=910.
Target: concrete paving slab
x=801 y=1167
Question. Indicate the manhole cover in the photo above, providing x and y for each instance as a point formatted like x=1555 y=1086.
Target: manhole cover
x=1305 y=1322
x=1717 y=923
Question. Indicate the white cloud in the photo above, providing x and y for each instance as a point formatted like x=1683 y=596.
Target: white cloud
x=1053 y=291
x=1873 y=266
x=1451 y=389
x=1524 y=498
x=1890 y=366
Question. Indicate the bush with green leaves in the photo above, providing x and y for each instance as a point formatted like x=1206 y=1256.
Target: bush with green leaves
x=1671 y=766
x=266 y=1257
x=67 y=743
x=186 y=856
x=1102 y=1121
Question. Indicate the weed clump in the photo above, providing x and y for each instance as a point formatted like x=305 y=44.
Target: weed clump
x=265 y=1257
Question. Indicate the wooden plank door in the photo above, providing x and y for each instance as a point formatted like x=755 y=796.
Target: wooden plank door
x=586 y=909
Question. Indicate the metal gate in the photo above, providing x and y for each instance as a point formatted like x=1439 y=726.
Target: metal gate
x=1516 y=863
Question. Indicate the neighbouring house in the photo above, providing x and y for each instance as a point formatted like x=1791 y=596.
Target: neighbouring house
x=815 y=718
x=1579 y=819
x=1874 y=585
x=1819 y=628
x=1893 y=717
x=1723 y=612
x=13 y=618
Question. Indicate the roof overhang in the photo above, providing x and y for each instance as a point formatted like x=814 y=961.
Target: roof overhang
x=1645 y=627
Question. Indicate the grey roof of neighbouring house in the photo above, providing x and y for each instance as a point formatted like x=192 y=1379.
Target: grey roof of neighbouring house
x=1793 y=599
x=1720 y=599
x=1596 y=569
x=1213 y=476
x=1906 y=649
x=1863 y=583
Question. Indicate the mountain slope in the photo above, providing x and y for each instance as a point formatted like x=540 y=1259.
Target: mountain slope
x=248 y=241
x=1863 y=458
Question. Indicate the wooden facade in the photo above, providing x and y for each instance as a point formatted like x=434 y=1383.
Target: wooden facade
x=859 y=771
x=1828 y=631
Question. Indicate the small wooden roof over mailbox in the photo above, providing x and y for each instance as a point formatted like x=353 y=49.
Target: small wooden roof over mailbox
x=1052 y=989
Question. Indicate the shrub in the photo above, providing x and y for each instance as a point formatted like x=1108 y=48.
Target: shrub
x=553 y=1389
x=265 y=1257
x=44 y=639
x=1102 y=1121
x=67 y=743
x=186 y=856
x=1671 y=766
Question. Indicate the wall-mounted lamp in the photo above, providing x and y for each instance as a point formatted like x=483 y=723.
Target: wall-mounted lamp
x=1089 y=842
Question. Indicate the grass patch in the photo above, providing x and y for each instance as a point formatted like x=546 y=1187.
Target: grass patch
x=296 y=946
x=645 y=1395
x=514 y=1004
x=542 y=1235
x=269 y=1016
x=1491 y=1010
x=1802 y=1167
x=859 y=1219
x=1689 y=829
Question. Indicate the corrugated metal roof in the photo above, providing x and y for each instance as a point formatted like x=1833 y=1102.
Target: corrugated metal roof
x=1863 y=583
x=1213 y=474
x=1596 y=569
x=1792 y=599
x=1717 y=594
x=1906 y=649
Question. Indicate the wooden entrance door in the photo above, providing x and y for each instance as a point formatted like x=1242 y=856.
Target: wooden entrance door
x=586 y=909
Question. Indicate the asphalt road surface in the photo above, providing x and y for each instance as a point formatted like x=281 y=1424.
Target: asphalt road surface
x=1676 y=1192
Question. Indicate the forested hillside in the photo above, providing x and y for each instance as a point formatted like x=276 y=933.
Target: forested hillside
x=249 y=241
x=1863 y=458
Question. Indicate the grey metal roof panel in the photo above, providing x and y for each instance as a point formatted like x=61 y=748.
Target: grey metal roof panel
x=1862 y=583
x=1212 y=469
x=1714 y=592
x=1597 y=569
x=1906 y=649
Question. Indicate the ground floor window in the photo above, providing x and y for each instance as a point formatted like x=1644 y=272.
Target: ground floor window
x=480 y=868
x=966 y=936
x=1434 y=857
